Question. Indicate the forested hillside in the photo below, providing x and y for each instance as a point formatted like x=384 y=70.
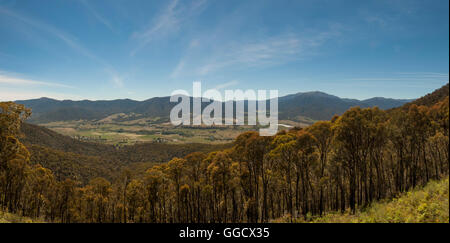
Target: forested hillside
x=420 y=205
x=37 y=135
x=345 y=164
x=433 y=98
x=82 y=161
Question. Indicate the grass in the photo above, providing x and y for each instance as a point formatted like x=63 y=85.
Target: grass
x=13 y=218
x=421 y=205
x=114 y=133
x=117 y=130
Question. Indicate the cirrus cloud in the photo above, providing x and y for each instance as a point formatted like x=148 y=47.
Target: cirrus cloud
x=11 y=79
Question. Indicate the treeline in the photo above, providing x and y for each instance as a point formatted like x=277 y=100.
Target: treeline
x=340 y=165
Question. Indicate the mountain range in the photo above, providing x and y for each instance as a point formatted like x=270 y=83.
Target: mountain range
x=297 y=107
x=71 y=158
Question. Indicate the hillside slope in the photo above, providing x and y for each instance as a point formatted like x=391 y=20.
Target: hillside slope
x=37 y=135
x=83 y=161
x=425 y=205
x=432 y=98
x=158 y=152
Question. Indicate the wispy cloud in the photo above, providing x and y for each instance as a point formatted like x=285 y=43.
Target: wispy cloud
x=262 y=52
x=379 y=20
x=407 y=77
x=11 y=79
x=97 y=15
x=116 y=79
x=178 y=69
x=4 y=55
x=168 y=21
x=424 y=75
x=61 y=35
x=227 y=84
x=68 y=40
x=15 y=86
x=399 y=79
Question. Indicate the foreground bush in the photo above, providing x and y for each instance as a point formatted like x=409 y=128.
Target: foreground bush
x=13 y=218
x=426 y=205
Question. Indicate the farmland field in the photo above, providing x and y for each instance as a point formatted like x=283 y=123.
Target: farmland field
x=112 y=131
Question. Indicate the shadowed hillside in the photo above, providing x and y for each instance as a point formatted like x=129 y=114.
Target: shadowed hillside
x=70 y=158
x=37 y=135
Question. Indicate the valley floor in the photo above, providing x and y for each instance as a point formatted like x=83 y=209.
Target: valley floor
x=132 y=132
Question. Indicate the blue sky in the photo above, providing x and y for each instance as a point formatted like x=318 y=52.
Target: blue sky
x=81 y=49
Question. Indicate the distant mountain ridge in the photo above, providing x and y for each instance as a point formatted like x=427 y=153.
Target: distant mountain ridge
x=308 y=105
x=322 y=106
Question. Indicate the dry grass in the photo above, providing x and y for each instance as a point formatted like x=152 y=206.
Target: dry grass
x=423 y=205
x=13 y=218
